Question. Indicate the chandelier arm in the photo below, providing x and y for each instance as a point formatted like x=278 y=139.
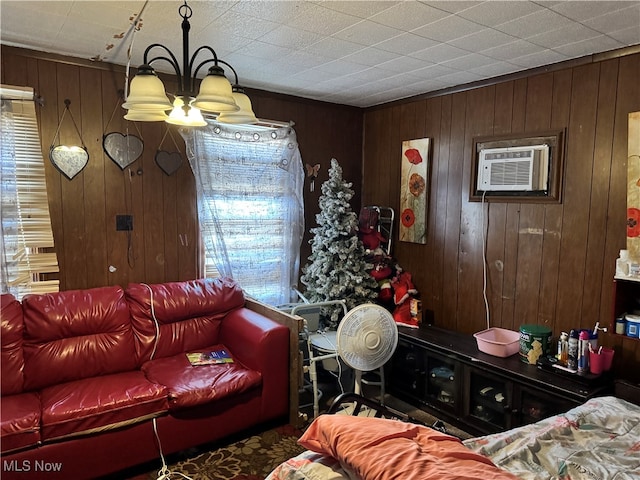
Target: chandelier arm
x=215 y=60
x=202 y=64
x=173 y=61
x=232 y=69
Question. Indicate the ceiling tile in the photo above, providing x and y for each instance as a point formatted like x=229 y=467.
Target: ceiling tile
x=279 y=11
x=331 y=47
x=407 y=16
x=286 y=36
x=352 y=52
x=440 y=53
x=402 y=64
x=453 y=7
x=617 y=20
x=585 y=10
x=512 y=50
x=626 y=36
x=497 y=12
x=533 y=24
x=406 y=44
x=322 y=20
x=478 y=41
x=358 y=8
x=566 y=35
x=544 y=57
x=234 y=23
x=448 y=28
x=468 y=62
x=489 y=70
x=588 y=46
x=371 y=56
x=367 y=33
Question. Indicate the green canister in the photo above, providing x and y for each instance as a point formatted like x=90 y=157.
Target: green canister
x=535 y=341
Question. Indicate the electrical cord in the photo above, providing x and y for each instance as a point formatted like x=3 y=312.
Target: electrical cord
x=164 y=473
x=155 y=321
x=484 y=259
x=338 y=376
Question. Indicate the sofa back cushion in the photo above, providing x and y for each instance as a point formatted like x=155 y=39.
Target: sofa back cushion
x=178 y=317
x=76 y=334
x=11 y=360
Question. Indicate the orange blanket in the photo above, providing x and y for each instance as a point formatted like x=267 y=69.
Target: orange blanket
x=382 y=449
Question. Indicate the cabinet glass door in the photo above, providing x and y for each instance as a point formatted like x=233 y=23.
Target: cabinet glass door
x=489 y=400
x=408 y=371
x=442 y=386
x=535 y=405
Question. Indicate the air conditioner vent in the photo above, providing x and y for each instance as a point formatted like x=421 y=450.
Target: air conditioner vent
x=524 y=169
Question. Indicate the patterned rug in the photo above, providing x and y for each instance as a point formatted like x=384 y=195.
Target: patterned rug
x=250 y=459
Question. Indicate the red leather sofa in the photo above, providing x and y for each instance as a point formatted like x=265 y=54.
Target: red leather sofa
x=94 y=381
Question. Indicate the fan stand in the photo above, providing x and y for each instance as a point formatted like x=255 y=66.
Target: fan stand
x=366 y=339
x=359 y=381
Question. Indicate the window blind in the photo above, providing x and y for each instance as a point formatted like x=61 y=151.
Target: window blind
x=28 y=257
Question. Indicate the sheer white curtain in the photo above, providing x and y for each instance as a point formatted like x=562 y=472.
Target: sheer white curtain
x=249 y=184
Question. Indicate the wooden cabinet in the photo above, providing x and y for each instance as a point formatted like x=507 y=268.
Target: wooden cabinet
x=444 y=373
x=426 y=377
x=626 y=299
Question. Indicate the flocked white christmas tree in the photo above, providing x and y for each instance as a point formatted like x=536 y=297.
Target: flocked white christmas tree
x=337 y=268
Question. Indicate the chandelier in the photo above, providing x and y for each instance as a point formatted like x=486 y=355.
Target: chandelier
x=148 y=102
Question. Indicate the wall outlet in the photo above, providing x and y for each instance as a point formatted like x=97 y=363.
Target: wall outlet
x=124 y=223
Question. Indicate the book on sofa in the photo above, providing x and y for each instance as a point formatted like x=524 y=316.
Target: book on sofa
x=209 y=358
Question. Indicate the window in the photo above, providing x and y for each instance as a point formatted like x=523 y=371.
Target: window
x=250 y=207
x=26 y=249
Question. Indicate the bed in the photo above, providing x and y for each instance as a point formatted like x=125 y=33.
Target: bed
x=597 y=440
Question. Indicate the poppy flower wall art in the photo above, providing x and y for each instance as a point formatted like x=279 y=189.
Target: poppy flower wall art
x=414 y=190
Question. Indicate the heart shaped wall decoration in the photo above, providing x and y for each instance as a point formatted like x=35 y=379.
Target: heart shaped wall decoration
x=69 y=160
x=168 y=162
x=122 y=149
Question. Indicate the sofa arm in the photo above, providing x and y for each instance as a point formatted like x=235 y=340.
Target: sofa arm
x=261 y=344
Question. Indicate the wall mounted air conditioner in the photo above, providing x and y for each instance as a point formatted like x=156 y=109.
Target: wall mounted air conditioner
x=514 y=169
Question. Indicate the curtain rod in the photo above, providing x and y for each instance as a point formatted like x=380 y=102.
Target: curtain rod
x=262 y=123
x=10 y=92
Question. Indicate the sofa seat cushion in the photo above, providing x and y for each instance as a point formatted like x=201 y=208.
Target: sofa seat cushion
x=20 y=421
x=191 y=385
x=99 y=403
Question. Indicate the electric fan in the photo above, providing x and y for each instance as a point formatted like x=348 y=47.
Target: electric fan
x=366 y=338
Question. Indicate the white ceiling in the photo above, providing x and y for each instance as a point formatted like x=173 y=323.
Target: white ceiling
x=359 y=53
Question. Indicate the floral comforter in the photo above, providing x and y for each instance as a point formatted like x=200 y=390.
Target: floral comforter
x=310 y=466
x=597 y=440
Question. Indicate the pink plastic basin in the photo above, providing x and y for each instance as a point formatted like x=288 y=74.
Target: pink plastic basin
x=498 y=342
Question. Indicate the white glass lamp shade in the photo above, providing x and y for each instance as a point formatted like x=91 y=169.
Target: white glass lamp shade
x=193 y=118
x=146 y=92
x=243 y=116
x=215 y=93
x=146 y=116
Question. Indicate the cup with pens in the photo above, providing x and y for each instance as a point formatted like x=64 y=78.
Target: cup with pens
x=600 y=360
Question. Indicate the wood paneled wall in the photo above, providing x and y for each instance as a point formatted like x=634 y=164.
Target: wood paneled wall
x=548 y=264
x=163 y=245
